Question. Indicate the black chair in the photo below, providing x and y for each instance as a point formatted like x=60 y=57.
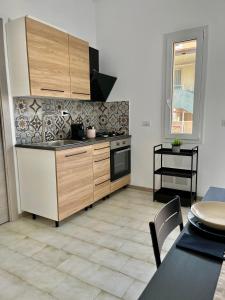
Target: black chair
x=167 y=219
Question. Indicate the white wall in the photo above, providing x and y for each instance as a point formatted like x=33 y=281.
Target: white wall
x=130 y=38
x=74 y=16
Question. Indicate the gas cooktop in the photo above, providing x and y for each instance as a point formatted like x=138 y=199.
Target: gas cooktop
x=108 y=133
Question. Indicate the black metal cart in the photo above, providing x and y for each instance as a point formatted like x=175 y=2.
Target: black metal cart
x=164 y=194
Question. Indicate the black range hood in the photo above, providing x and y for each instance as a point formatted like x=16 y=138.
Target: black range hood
x=101 y=84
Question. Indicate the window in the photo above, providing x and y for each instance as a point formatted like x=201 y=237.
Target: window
x=184 y=81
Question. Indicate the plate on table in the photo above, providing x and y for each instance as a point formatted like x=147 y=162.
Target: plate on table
x=210 y=213
x=204 y=230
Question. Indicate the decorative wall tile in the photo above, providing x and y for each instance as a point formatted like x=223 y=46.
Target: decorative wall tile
x=40 y=119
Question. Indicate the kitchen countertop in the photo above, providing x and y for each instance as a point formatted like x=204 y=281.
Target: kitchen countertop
x=67 y=144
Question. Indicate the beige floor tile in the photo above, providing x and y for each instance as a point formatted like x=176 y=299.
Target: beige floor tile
x=118 y=220
x=51 y=237
x=44 y=277
x=51 y=256
x=138 y=251
x=27 y=246
x=145 y=227
x=168 y=244
x=134 y=291
x=22 y=226
x=80 y=248
x=109 y=258
x=91 y=236
x=106 y=227
x=78 y=267
x=74 y=289
x=109 y=281
x=10 y=286
x=133 y=235
x=138 y=269
x=29 y=270
x=84 y=220
x=106 y=296
x=34 y=294
x=9 y=237
x=125 y=233
x=102 y=254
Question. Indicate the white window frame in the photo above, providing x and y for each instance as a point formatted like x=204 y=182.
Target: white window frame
x=200 y=34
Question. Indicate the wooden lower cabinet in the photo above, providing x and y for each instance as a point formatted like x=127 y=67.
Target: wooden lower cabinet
x=118 y=184
x=56 y=184
x=101 y=187
x=101 y=170
x=74 y=180
x=101 y=167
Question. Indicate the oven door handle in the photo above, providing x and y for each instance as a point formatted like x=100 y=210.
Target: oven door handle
x=124 y=150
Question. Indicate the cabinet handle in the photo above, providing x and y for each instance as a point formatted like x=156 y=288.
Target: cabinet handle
x=101 y=182
x=69 y=155
x=52 y=90
x=101 y=148
x=81 y=93
x=101 y=159
x=121 y=151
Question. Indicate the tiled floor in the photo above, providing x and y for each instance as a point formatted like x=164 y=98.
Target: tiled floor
x=103 y=254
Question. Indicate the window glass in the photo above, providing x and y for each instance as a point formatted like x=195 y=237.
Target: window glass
x=184 y=63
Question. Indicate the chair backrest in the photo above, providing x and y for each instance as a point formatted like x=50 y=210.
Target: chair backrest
x=167 y=219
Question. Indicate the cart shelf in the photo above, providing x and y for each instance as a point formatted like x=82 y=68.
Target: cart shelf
x=164 y=194
x=175 y=172
x=183 y=152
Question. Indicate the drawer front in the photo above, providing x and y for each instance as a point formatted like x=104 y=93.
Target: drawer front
x=71 y=154
x=101 y=146
x=74 y=180
x=101 y=151
x=101 y=168
x=116 y=185
x=101 y=187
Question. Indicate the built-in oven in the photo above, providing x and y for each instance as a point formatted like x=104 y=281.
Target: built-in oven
x=120 y=158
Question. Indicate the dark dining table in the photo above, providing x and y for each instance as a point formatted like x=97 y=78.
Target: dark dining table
x=186 y=275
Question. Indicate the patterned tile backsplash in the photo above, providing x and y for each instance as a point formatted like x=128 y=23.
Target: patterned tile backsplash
x=38 y=120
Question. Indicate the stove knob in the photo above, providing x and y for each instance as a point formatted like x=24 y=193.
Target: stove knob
x=117 y=144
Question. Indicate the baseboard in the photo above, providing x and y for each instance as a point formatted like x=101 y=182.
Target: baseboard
x=140 y=188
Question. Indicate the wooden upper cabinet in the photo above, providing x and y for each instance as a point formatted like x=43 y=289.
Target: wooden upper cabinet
x=79 y=68
x=48 y=60
x=45 y=61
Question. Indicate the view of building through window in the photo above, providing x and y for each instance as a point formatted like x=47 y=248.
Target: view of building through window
x=184 y=61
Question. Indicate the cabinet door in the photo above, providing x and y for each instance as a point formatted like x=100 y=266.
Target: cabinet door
x=79 y=68
x=48 y=60
x=102 y=187
x=74 y=180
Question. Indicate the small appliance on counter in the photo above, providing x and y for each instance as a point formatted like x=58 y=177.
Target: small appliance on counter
x=77 y=131
x=91 y=132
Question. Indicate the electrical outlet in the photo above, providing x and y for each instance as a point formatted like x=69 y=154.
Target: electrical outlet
x=64 y=113
x=145 y=123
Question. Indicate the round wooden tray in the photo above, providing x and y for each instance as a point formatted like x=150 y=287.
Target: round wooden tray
x=205 y=230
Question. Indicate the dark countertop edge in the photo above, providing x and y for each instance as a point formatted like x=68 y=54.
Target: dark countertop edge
x=83 y=144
